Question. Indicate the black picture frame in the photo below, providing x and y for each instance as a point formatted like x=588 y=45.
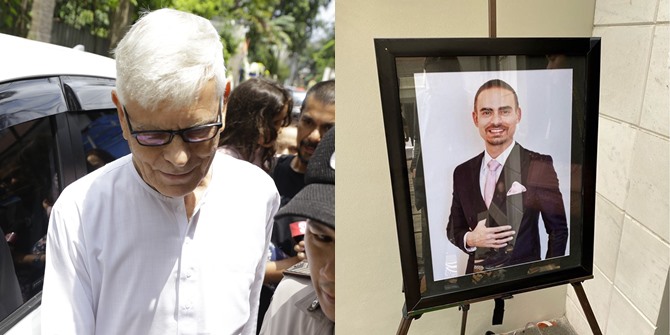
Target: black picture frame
x=401 y=64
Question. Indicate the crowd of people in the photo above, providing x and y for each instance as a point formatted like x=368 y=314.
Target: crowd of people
x=257 y=111
x=221 y=220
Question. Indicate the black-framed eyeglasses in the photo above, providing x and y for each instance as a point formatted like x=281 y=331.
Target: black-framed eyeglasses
x=156 y=138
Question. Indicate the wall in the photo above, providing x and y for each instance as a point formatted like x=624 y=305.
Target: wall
x=369 y=282
x=632 y=253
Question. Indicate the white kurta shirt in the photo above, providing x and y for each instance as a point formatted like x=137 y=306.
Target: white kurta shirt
x=124 y=259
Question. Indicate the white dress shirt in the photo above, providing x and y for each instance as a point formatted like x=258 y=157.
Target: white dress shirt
x=501 y=159
x=124 y=259
x=483 y=170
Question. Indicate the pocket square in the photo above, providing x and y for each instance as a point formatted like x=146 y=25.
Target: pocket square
x=516 y=189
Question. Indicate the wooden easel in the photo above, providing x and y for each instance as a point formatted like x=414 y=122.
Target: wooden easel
x=406 y=320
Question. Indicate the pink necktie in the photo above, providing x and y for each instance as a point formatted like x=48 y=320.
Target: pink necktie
x=490 y=185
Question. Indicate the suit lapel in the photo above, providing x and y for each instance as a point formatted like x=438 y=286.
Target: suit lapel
x=476 y=198
x=513 y=179
x=504 y=209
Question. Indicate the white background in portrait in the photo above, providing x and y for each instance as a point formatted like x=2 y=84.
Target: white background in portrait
x=449 y=138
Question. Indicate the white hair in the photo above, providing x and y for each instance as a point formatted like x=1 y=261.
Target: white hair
x=168 y=56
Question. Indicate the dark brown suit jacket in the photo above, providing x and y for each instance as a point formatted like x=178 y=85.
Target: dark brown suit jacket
x=535 y=172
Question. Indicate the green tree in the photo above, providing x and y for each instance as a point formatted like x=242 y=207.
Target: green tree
x=268 y=39
x=304 y=13
x=121 y=15
x=15 y=17
x=317 y=57
x=324 y=57
x=275 y=30
x=303 y=47
x=267 y=34
x=91 y=15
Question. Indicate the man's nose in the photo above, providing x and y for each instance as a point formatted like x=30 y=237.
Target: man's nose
x=496 y=119
x=314 y=135
x=328 y=270
x=176 y=152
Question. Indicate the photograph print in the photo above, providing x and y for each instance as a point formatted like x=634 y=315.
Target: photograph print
x=496 y=151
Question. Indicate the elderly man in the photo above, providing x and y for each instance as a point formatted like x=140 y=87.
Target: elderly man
x=172 y=238
x=301 y=306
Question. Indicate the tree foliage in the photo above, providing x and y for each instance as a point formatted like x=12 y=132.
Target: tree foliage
x=274 y=30
x=304 y=13
x=14 y=17
x=90 y=15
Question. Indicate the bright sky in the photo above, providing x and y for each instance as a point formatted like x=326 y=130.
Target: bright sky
x=326 y=14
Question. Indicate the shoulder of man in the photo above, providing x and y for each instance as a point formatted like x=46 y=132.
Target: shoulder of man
x=283 y=162
x=233 y=171
x=102 y=178
x=534 y=156
x=294 y=288
x=295 y=310
x=468 y=165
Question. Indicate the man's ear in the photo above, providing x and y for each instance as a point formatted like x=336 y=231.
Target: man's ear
x=121 y=115
x=226 y=91
x=226 y=94
x=518 y=117
x=475 y=119
x=224 y=110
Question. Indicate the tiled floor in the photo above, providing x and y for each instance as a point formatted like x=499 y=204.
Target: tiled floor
x=560 y=327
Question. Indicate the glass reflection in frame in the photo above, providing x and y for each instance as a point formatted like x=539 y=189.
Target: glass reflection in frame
x=438 y=104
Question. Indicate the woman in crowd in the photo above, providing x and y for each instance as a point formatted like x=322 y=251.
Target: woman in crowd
x=256 y=110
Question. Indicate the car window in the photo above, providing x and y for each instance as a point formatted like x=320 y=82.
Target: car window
x=28 y=188
x=88 y=93
x=73 y=132
x=29 y=99
x=102 y=138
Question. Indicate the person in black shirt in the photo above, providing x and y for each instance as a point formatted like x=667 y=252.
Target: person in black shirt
x=317 y=116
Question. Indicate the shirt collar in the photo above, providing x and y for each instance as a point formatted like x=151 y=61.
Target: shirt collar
x=502 y=158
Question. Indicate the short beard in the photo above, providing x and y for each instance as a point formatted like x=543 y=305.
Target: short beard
x=302 y=159
x=302 y=145
x=496 y=141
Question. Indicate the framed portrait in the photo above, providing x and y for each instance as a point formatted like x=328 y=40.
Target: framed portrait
x=492 y=153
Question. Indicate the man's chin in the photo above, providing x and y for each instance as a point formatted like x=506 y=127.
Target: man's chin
x=497 y=141
x=304 y=158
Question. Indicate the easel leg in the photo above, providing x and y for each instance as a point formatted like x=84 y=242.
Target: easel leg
x=464 y=319
x=590 y=317
x=404 y=325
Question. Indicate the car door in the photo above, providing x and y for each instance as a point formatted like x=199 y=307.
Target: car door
x=53 y=130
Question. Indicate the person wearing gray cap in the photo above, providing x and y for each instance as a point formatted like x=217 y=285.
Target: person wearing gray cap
x=301 y=306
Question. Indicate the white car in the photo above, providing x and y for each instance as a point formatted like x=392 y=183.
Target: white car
x=56 y=113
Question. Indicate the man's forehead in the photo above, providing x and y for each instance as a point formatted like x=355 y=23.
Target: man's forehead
x=496 y=91
x=312 y=104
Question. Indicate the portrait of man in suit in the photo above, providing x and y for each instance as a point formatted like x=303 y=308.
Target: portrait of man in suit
x=500 y=194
